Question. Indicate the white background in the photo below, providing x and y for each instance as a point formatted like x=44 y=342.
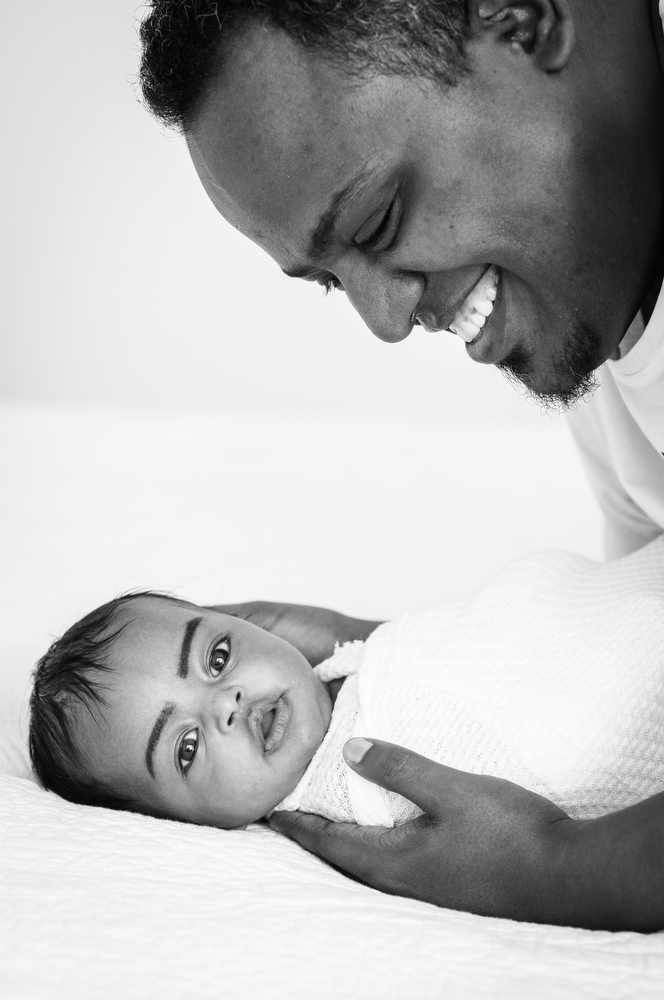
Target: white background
x=122 y=285
x=124 y=291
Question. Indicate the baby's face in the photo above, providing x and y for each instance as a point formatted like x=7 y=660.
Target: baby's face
x=208 y=719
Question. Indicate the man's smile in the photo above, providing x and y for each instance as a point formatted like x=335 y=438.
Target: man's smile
x=479 y=319
x=475 y=311
x=440 y=308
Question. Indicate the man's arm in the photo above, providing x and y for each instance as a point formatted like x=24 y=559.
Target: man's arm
x=493 y=848
x=314 y=631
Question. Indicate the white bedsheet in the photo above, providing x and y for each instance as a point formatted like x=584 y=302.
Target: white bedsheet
x=102 y=904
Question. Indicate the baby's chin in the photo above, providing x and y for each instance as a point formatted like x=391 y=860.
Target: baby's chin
x=220 y=821
x=257 y=816
x=242 y=822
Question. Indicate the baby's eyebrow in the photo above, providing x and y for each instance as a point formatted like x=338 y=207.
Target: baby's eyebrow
x=187 y=638
x=165 y=713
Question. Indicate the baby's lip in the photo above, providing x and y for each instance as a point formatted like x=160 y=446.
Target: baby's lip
x=266 y=720
x=280 y=719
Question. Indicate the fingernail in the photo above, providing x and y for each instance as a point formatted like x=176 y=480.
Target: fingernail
x=355 y=749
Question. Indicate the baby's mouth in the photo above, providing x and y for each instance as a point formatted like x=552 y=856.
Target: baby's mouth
x=266 y=723
x=273 y=723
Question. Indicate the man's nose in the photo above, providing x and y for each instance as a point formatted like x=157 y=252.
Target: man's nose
x=386 y=302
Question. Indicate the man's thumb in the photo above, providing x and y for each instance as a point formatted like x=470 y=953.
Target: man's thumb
x=417 y=778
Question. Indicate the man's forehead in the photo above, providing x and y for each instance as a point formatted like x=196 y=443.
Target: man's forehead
x=269 y=94
x=280 y=134
x=238 y=211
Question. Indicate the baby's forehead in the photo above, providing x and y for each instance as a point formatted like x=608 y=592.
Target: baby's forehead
x=150 y=626
x=148 y=613
x=142 y=657
x=158 y=606
x=142 y=672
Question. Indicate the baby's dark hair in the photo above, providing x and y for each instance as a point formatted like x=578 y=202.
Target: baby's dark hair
x=70 y=676
x=184 y=42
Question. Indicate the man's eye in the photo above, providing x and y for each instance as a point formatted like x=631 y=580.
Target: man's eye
x=379 y=232
x=220 y=656
x=187 y=750
x=329 y=283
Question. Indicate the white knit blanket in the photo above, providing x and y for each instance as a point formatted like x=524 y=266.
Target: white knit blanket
x=551 y=676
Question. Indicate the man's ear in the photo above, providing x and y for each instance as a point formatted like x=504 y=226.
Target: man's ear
x=542 y=29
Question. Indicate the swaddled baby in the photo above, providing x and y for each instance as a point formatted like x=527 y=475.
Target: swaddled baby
x=551 y=676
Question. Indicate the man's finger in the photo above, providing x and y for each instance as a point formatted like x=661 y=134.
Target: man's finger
x=363 y=852
x=428 y=784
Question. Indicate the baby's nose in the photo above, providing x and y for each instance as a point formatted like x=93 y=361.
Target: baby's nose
x=229 y=708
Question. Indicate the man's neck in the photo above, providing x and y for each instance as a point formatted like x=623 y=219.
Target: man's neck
x=640 y=321
x=656 y=17
x=648 y=304
x=652 y=295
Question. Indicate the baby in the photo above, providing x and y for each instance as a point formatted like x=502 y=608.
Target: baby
x=552 y=676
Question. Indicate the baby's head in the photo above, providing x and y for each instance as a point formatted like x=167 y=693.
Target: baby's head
x=156 y=705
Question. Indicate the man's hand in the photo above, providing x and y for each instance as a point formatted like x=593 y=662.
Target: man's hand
x=490 y=847
x=314 y=631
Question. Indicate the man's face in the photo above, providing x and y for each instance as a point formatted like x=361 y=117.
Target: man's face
x=207 y=718
x=406 y=196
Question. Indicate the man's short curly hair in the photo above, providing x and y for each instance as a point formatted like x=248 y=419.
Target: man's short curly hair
x=184 y=42
x=67 y=679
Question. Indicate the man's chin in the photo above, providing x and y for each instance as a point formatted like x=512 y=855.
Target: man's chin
x=560 y=386
x=552 y=397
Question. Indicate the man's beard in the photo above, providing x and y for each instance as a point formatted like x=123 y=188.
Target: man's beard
x=571 y=377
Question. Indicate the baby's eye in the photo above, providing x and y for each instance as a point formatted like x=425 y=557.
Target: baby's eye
x=220 y=657
x=187 y=750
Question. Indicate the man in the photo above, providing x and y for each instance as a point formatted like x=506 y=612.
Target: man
x=496 y=170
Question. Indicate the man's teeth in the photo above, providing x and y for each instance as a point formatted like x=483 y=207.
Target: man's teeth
x=477 y=308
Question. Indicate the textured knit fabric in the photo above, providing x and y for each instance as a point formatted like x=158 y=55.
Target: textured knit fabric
x=551 y=676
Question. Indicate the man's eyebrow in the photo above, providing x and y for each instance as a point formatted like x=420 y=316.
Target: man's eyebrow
x=323 y=236
x=183 y=663
x=164 y=715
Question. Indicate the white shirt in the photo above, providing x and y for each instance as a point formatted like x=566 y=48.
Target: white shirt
x=620 y=432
